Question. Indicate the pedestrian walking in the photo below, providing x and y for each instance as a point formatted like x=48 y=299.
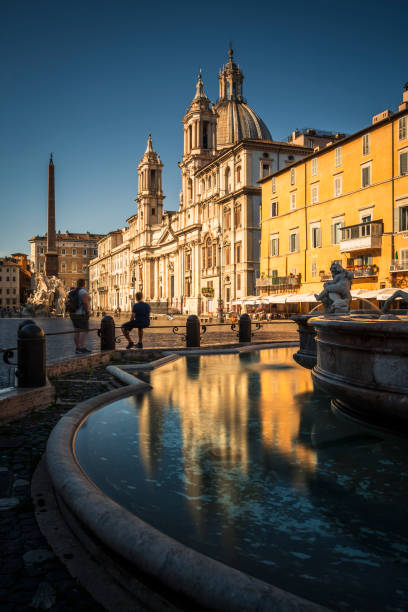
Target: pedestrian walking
x=77 y=305
x=140 y=319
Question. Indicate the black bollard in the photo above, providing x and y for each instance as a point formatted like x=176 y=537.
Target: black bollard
x=193 y=331
x=31 y=370
x=107 y=333
x=244 y=334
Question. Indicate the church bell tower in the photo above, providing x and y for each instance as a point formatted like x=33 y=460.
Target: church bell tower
x=150 y=195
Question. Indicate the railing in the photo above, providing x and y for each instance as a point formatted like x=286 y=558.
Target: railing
x=364 y=271
x=399 y=265
x=361 y=236
x=279 y=283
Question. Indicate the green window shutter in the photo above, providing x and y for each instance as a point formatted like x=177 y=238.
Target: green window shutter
x=404 y=163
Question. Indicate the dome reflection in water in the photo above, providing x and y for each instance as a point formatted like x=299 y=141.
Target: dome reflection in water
x=237 y=457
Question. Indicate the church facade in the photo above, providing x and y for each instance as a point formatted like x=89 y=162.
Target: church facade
x=205 y=255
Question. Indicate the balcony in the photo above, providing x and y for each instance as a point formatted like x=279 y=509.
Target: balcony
x=364 y=271
x=279 y=283
x=361 y=237
x=399 y=265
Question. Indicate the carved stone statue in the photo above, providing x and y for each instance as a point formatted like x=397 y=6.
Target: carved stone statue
x=48 y=297
x=398 y=294
x=336 y=296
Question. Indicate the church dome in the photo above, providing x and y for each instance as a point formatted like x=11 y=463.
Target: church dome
x=235 y=119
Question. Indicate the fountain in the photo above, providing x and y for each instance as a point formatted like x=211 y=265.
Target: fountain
x=48 y=297
x=362 y=362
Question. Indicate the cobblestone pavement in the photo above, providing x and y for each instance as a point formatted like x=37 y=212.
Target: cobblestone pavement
x=29 y=571
x=61 y=347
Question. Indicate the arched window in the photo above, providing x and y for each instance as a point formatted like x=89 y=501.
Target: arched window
x=238 y=174
x=205 y=135
x=209 y=181
x=227 y=180
x=190 y=137
x=189 y=190
x=227 y=218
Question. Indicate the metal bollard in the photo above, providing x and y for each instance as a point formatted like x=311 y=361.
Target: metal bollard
x=107 y=333
x=31 y=362
x=193 y=331
x=244 y=334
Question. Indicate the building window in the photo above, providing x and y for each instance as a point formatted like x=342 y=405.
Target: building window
x=314 y=196
x=314 y=166
x=42 y=250
x=95 y=251
x=227 y=180
x=337 y=157
x=74 y=251
x=189 y=190
x=238 y=174
x=63 y=251
x=209 y=253
x=238 y=282
x=274 y=209
x=293 y=242
x=292 y=176
x=366 y=176
x=316 y=237
x=366 y=144
x=311 y=143
x=74 y=267
x=84 y=251
x=403 y=162
x=314 y=269
x=63 y=267
x=293 y=200
x=237 y=216
x=338 y=186
x=153 y=212
x=84 y=268
x=336 y=231
x=403 y=218
x=227 y=219
x=227 y=255
x=273 y=246
x=188 y=261
x=402 y=128
x=266 y=169
x=238 y=252
x=274 y=184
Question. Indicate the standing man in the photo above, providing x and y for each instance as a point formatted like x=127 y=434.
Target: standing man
x=78 y=307
x=140 y=319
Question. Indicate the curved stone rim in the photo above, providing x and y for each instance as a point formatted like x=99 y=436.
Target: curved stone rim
x=205 y=581
x=346 y=323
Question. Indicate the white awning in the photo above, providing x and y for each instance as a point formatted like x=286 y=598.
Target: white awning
x=384 y=294
x=302 y=297
x=369 y=293
x=279 y=298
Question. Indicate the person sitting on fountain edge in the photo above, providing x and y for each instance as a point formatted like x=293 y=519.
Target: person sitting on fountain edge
x=140 y=319
x=80 y=316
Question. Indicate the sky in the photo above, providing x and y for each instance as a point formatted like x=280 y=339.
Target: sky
x=88 y=80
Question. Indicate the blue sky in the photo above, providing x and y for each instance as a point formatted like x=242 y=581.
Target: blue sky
x=88 y=80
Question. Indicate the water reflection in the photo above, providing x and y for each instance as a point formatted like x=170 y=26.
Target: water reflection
x=239 y=458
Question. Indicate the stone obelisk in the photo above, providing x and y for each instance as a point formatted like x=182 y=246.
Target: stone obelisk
x=51 y=255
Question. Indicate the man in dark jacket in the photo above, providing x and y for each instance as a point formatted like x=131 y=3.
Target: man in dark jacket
x=140 y=319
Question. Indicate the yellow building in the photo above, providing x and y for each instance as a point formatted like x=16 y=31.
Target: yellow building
x=348 y=201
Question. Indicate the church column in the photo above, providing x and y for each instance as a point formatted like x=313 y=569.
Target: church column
x=156 y=279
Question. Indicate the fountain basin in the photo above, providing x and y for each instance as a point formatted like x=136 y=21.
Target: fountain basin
x=131 y=547
x=363 y=364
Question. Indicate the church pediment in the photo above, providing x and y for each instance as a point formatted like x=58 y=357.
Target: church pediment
x=165 y=237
